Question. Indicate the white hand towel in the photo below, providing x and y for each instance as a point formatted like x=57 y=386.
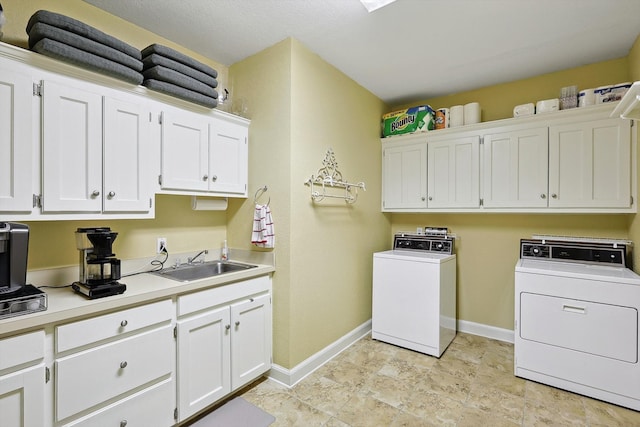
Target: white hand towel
x=263 y=232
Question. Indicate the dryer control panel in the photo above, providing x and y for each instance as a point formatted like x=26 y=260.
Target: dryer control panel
x=585 y=252
x=420 y=242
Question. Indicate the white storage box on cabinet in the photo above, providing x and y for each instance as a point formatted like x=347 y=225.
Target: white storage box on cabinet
x=105 y=365
x=224 y=341
x=22 y=380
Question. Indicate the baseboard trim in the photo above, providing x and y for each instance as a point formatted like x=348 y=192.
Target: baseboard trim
x=290 y=377
x=486 y=331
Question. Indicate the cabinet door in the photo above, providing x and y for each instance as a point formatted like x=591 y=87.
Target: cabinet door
x=203 y=361
x=126 y=153
x=228 y=157
x=22 y=398
x=404 y=176
x=251 y=340
x=16 y=124
x=590 y=164
x=185 y=148
x=516 y=169
x=454 y=173
x=72 y=149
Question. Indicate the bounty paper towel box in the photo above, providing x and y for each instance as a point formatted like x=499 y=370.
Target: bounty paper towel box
x=420 y=118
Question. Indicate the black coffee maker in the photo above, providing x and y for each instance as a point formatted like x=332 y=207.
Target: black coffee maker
x=99 y=268
x=16 y=296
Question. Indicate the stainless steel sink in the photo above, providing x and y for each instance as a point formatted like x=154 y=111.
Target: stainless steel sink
x=187 y=272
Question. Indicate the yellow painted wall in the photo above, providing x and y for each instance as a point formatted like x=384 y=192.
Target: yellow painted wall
x=300 y=106
x=52 y=242
x=331 y=254
x=488 y=247
x=265 y=80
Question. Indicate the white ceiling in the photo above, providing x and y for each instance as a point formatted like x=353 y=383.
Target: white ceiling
x=409 y=50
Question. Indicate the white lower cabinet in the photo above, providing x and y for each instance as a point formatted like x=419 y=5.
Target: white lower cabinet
x=224 y=342
x=22 y=380
x=119 y=366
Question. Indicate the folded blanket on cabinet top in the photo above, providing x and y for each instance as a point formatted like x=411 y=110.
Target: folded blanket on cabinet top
x=154 y=59
x=80 y=28
x=87 y=60
x=180 y=92
x=170 y=76
x=41 y=31
x=167 y=52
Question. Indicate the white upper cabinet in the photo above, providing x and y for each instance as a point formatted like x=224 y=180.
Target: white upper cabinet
x=127 y=148
x=94 y=155
x=404 y=174
x=454 y=173
x=573 y=161
x=16 y=166
x=590 y=164
x=516 y=169
x=228 y=157
x=204 y=155
x=71 y=149
x=185 y=146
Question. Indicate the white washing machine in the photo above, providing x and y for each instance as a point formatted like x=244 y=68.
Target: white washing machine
x=414 y=293
x=576 y=317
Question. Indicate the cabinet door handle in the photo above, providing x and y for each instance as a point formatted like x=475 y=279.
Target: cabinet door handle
x=227 y=327
x=543 y=196
x=555 y=196
x=237 y=323
x=111 y=194
x=206 y=177
x=124 y=323
x=430 y=198
x=95 y=193
x=123 y=423
x=123 y=364
x=424 y=198
x=214 y=178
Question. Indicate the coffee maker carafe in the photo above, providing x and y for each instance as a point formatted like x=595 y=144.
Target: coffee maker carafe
x=16 y=296
x=99 y=268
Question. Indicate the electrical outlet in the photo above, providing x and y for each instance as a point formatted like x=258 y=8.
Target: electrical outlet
x=161 y=245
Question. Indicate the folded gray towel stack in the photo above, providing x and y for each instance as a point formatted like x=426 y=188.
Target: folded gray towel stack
x=70 y=40
x=173 y=73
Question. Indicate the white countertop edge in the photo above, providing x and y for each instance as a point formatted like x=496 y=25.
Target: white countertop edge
x=65 y=305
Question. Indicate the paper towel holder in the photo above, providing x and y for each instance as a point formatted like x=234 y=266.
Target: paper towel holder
x=209 y=203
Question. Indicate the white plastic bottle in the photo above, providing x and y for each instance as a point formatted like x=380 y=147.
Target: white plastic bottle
x=224 y=255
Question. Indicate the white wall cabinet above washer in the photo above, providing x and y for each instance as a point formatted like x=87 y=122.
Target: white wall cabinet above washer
x=453 y=177
x=572 y=161
x=404 y=174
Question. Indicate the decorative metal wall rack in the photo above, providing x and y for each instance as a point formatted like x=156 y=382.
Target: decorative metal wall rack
x=330 y=178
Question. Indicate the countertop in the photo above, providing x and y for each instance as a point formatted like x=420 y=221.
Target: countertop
x=66 y=305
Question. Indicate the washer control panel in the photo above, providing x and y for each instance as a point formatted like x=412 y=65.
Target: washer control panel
x=418 y=242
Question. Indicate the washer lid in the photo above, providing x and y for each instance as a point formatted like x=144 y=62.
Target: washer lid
x=416 y=256
x=580 y=271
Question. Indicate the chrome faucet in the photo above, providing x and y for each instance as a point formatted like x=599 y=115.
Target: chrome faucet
x=191 y=260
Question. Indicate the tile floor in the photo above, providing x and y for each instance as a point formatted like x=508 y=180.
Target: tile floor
x=375 y=384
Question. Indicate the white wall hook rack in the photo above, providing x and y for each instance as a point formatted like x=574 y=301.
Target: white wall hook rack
x=329 y=178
